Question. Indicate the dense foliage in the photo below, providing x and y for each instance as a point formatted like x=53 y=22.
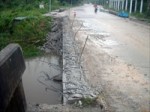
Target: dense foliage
x=31 y=27
x=29 y=32
x=55 y=3
x=23 y=23
x=74 y=2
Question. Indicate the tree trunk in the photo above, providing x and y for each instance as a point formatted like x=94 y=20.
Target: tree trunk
x=141 y=6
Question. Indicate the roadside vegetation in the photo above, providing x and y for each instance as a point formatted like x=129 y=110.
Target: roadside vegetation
x=23 y=22
x=29 y=30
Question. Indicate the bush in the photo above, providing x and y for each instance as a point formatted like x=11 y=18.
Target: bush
x=29 y=32
x=32 y=29
x=6 y=19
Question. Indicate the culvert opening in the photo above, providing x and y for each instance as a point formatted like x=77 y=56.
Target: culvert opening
x=42 y=78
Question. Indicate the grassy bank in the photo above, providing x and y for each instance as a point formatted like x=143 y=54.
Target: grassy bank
x=25 y=26
x=22 y=22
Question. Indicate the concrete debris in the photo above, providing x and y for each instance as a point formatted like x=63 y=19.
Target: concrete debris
x=61 y=41
x=57 y=78
x=75 y=86
x=77 y=96
x=61 y=10
x=54 y=38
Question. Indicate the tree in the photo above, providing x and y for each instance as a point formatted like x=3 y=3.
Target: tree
x=71 y=1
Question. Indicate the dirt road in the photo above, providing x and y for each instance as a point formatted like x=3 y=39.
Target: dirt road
x=116 y=57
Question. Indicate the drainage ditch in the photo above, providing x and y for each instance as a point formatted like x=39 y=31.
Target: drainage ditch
x=42 y=79
x=58 y=77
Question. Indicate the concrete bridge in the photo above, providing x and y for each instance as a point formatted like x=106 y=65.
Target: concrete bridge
x=12 y=66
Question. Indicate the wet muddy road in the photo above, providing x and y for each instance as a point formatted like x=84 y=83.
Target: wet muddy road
x=116 y=57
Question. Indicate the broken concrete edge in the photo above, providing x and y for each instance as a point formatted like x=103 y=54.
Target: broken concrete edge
x=7 y=51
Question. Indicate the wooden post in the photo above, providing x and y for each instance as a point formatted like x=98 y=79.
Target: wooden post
x=12 y=66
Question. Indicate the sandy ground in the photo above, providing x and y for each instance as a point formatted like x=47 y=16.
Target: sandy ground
x=116 y=57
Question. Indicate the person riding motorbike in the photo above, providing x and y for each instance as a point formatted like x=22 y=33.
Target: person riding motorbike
x=96 y=8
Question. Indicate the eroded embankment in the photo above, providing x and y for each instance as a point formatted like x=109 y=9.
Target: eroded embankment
x=61 y=40
x=54 y=37
x=43 y=76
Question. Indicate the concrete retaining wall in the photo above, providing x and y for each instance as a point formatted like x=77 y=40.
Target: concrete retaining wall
x=12 y=66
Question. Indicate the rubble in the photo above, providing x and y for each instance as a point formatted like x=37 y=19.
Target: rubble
x=54 y=37
x=61 y=40
x=75 y=86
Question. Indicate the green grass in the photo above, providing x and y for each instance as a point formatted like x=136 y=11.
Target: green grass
x=30 y=33
x=88 y=102
x=138 y=15
x=31 y=51
x=142 y=16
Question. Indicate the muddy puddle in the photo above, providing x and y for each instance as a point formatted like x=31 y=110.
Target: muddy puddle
x=37 y=80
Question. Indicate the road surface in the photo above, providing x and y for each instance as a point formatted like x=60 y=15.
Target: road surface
x=116 y=57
